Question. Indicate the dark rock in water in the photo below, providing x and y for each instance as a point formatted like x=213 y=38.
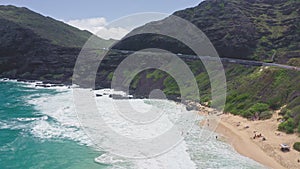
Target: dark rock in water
x=118 y=96
x=42 y=85
x=174 y=98
x=192 y=106
x=189 y=108
x=54 y=82
x=57 y=85
x=139 y=96
x=99 y=95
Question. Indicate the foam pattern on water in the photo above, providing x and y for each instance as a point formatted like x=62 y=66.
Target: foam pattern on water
x=59 y=121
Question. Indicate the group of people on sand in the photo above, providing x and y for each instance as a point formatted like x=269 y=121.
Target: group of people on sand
x=258 y=135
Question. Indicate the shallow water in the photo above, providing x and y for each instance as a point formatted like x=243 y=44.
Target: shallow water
x=39 y=129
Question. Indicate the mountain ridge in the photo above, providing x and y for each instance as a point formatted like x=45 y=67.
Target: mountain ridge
x=57 y=32
x=35 y=47
x=251 y=29
x=251 y=90
x=263 y=30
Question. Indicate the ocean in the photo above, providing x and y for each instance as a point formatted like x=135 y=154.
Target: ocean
x=39 y=129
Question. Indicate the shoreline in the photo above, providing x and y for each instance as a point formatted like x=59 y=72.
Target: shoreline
x=266 y=152
x=233 y=129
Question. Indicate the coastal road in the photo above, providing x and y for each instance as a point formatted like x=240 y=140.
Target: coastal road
x=225 y=60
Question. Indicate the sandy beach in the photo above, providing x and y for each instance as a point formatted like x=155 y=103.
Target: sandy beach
x=239 y=132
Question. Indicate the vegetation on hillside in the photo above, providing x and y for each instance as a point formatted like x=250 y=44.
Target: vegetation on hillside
x=253 y=92
x=258 y=29
x=55 y=31
x=262 y=30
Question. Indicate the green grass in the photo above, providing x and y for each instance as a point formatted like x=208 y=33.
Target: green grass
x=156 y=75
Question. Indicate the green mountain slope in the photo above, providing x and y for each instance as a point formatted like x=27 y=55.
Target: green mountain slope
x=56 y=32
x=260 y=28
x=265 y=30
x=250 y=29
x=36 y=47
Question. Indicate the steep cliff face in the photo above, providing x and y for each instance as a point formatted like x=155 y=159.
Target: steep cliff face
x=250 y=29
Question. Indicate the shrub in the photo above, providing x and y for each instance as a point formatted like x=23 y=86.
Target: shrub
x=247 y=114
x=287 y=126
x=275 y=103
x=298 y=128
x=296 y=146
x=265 y=115
x=287 y=115
x=259 y=107
x=110 y=76
x=208 y=7
x=170 y=86
x=222 y=5
x=294 y=62
x=155 y=75
x=283 y=111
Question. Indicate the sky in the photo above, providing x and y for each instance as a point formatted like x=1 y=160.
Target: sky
x=94 y=15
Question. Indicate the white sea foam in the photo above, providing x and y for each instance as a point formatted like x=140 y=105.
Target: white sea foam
x=4 y=125
x=32 y=119
x=64 y=123
x=194 y=152
x=12 y=125
x=177 y=158
x=60 y=108
x=108 y=159
x=34 y=84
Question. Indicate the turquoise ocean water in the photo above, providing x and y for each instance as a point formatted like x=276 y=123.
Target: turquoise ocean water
x=20 y=148
x=38 y=129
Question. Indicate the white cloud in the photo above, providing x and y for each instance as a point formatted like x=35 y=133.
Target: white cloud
x=98 y=27
x=118 y=28
x=114 y=33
